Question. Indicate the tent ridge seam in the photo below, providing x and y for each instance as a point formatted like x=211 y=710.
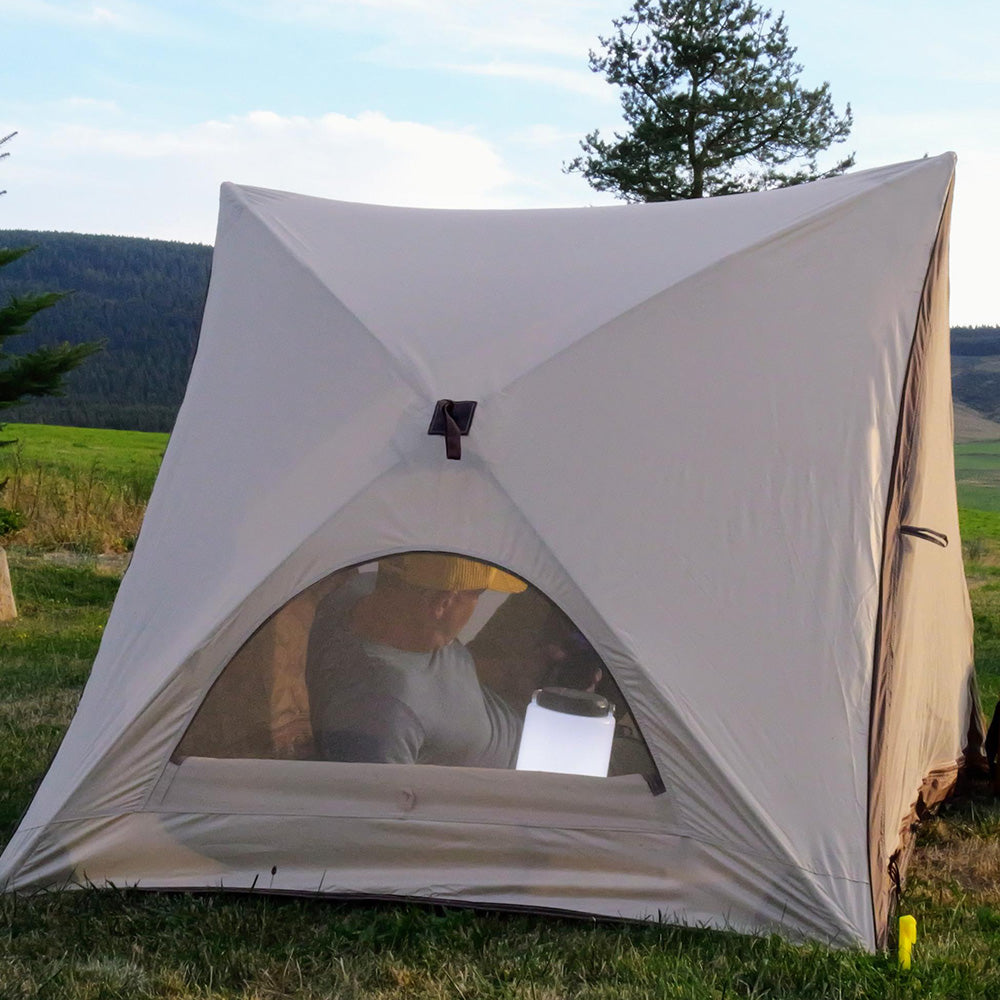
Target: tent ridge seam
x=798 y=222
x=287 y=243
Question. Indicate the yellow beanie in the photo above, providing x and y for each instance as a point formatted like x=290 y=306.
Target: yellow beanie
x=437 y=571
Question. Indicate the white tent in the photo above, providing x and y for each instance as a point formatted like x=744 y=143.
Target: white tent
x=716 y=434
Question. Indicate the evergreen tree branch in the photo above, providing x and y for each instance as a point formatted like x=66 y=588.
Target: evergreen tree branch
x=711 y=102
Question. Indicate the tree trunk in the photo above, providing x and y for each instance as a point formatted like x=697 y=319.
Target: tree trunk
x=8 y=609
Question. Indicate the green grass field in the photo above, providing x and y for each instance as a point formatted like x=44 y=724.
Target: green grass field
x=115 y=944
x=76 y=488
x=977 y=471
x=130 y=458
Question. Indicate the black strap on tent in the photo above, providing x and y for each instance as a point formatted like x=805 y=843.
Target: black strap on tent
x=927 y=534
x=452 y=420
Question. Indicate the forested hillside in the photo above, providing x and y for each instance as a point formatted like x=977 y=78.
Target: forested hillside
x=975 y=368
x=143 y=298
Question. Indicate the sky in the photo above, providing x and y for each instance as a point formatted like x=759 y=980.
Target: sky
x=130 y=114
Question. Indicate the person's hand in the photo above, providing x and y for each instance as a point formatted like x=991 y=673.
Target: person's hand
x=571 y=663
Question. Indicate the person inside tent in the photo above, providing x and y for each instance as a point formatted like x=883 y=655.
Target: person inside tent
x=388 y=679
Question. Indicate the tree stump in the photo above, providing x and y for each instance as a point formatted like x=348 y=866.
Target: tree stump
x=8 y=609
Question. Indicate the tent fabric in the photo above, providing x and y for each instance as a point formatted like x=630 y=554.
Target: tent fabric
x=922 y=594
x=686 y=438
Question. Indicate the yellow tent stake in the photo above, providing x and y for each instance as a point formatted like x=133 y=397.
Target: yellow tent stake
x=907 y=938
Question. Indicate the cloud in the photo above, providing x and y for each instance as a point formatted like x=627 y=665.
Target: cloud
x=519 y=38
x=544 y=136
x=550 y=26
x=165 y=183
x=545 y=41
x=121 y=15
x=580 y=82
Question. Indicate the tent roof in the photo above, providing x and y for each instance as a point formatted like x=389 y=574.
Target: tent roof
x=477 y=298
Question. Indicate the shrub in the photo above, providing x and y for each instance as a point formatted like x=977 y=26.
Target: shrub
x=10 y=520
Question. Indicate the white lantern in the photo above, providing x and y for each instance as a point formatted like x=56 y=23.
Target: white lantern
x=567 y=731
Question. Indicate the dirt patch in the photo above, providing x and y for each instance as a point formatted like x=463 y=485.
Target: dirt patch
x=971 y=865
x=958 y=851
x=112 y=563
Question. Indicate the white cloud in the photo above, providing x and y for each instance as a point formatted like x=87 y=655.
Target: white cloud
x=543 y=136
x=165 y=183
x=122 y=15
x=585 y=82
x=102 y=15
x=440 y=32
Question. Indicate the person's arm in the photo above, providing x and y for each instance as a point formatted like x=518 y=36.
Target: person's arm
x=369 y=728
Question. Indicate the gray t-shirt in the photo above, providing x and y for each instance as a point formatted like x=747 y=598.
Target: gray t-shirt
x=375 y=703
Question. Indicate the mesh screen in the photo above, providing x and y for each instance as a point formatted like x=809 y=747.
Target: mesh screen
x=419 y=658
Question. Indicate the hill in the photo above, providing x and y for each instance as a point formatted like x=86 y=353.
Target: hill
x=144 y=299
x=972 y=426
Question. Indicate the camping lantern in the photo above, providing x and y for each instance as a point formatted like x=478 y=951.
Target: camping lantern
x=566 y=731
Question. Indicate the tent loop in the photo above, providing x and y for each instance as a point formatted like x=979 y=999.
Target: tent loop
x=452 y=420
x=927 y=534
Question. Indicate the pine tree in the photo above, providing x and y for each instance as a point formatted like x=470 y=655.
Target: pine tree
x=36 y=373
x=39 y=372
x=712 y=104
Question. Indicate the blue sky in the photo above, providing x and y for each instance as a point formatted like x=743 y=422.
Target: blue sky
x=131 y=113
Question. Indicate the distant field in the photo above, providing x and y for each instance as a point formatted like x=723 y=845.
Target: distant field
x=132 y=457
x=127 y=462
x=77 y=488
x=977 y=470
x=975 y=523
x=129 y=457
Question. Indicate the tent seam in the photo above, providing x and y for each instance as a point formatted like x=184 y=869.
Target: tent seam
x=798 y=223
x=288 y=245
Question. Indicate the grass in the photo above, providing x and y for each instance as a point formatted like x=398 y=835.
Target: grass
x=126 y=944
x=981 y=545
x=187 y=947
x=85 y=489
x=977 y=470
x=78 y=488
x=125 y=457
x=45 y=657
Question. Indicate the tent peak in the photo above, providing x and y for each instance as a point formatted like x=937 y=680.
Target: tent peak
x=250 y=194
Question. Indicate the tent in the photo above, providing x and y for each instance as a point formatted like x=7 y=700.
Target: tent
x=713 y=436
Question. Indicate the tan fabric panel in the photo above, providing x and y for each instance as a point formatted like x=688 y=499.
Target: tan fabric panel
x=923 y=691
x=259 y=706
x=391 y=831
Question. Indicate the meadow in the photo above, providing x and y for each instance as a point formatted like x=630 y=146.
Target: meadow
x=977 y=468
x=78 y=489
x=119 y=943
